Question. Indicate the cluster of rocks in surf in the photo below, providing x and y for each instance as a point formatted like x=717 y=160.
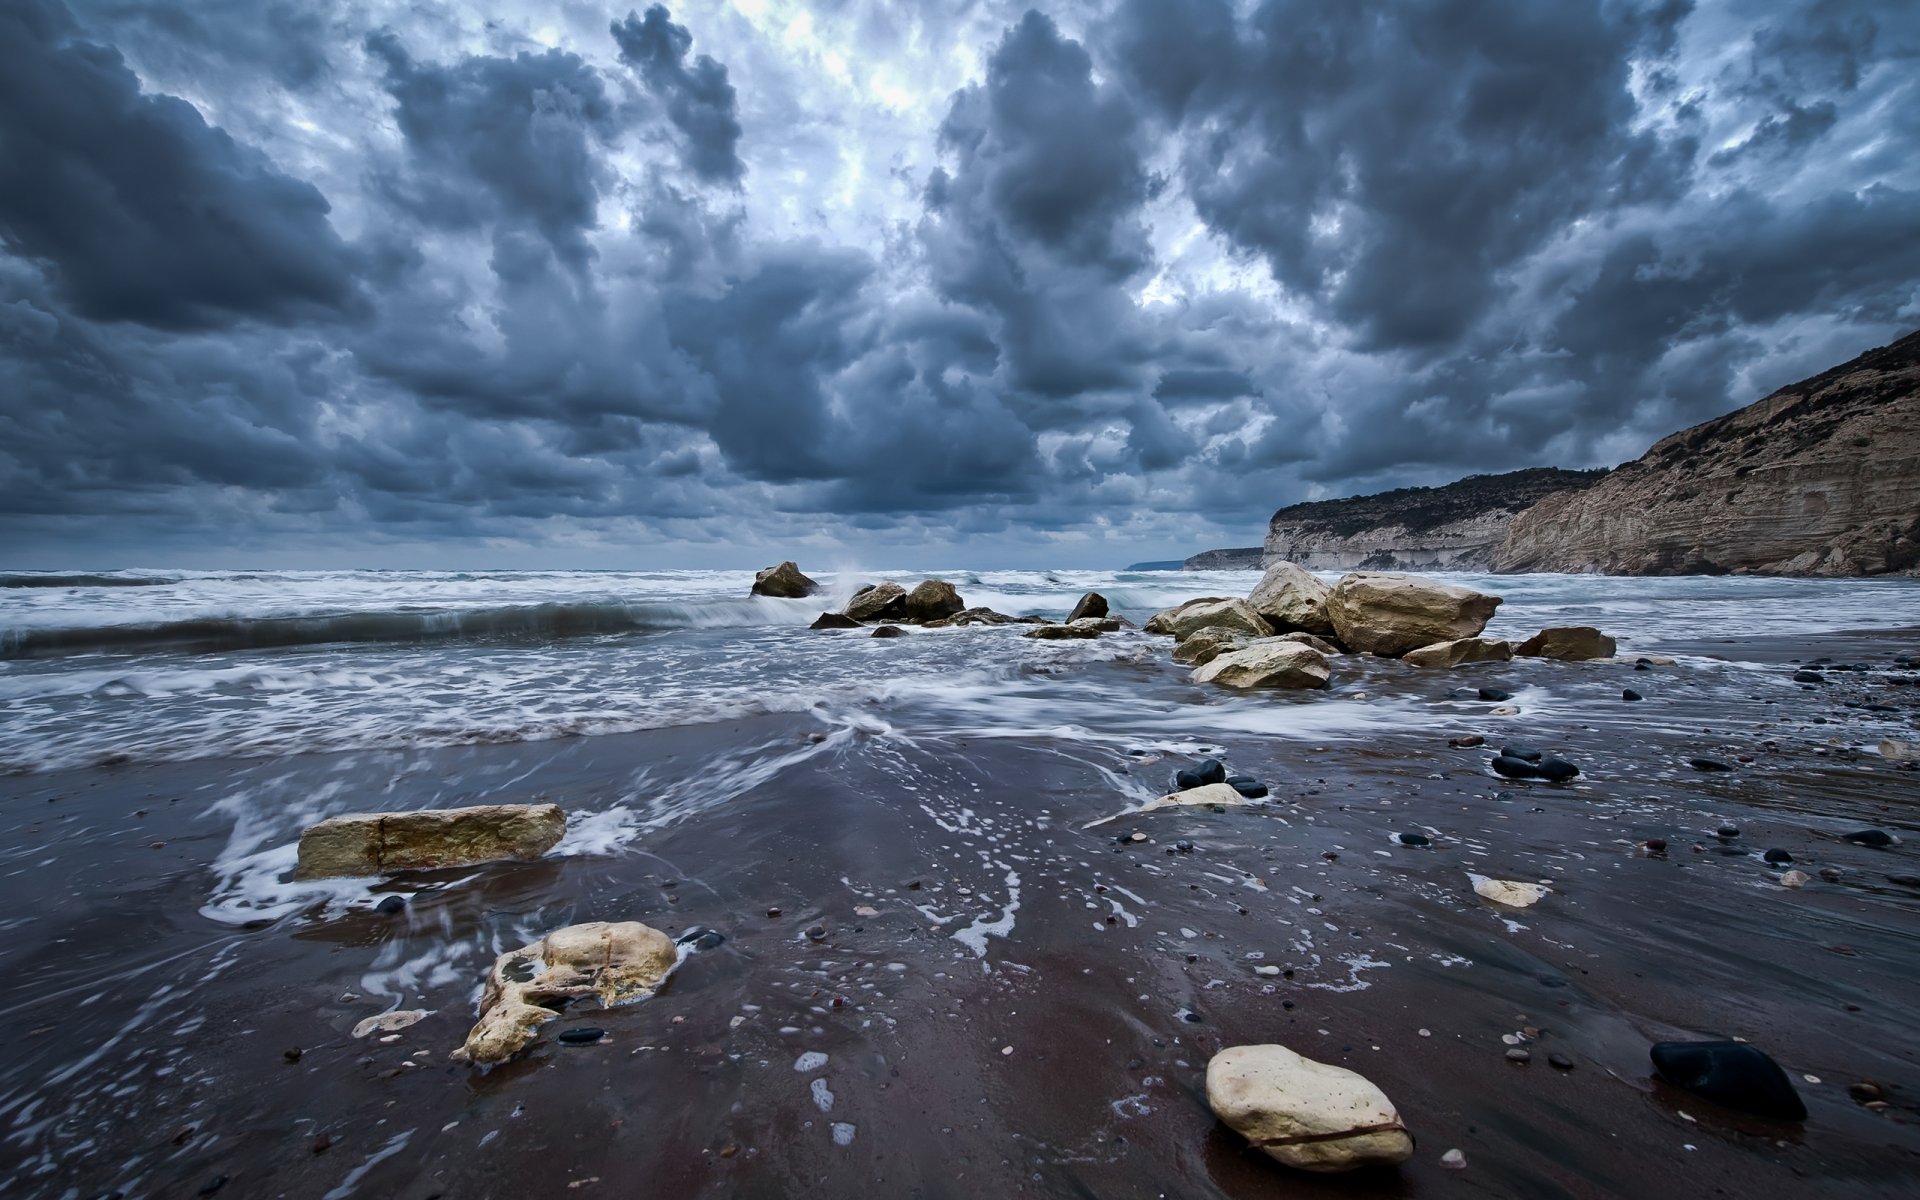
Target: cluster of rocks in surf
x=888 y=607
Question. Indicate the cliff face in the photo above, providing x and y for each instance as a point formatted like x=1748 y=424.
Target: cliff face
x=1820 y=478
x=1451 y=528
x=1247 y=558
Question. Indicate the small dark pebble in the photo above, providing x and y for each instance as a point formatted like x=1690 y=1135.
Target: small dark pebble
x=816 y=933
x=1657 y=845
x=773 y=912
x=1709 y=764
x=1519 y=1055
x=291 y=1054
x=1561 y=1061
x=1727 y=831
x=1200 y=774
x=1468 y=742
x=1630 y=695
x=1641 y=664
x=701 y=938
x=1912 y=881
x=213 y=1185
x=1865 y=1093
x=1777 y=857
x=1181 y=848
x=1413 y=839
x=1879 y=839
x=322 y=1144
x=391 y=905
x=1809 y=677
x=1524 y=753
x=582 y=1037
x=1247 y=786
x=1495 y=694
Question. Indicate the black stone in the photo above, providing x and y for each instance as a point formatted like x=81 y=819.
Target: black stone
x=1495 y=694
x=1247 y=786
x=1413 y=839
x=816 y=933
x=213 y=1185
x=1561 y=1061
x=830 y=620
x=1629 y=695
x=701 y=938
x=889 y=631
x=1641 y=664
x=582 y=1037
x=1732 y=1074
x=1557 y=770
x=1515 y=768
x=1526 y=752
x=1093 y=604
x=1709 y=764
x=391 y=905
x=1777 y=857
x=1200 y=774
x=1879 y=839
x=1727 y=831
x=1181 y=848
x=1809 y=677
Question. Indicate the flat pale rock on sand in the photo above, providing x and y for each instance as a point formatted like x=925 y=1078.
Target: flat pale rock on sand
x=377 y=843
x=1512 y=893
x=1310 y=1115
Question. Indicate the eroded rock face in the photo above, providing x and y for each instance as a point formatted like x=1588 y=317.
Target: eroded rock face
x=1570 y=643
x=1204 y=645
x=1820 y=478
x=379 y=843
x=974 y=616
x=1162 y=621
x=1290 y=597
x=1272 y=663
x=1307 y=639
x=614 y=962
x=1062 y=633
x=1376 y=613
x=933 y=600
x=881 y=602
x=784 y=581
x=1309 y=1115
x=1227 y=614
x=1459 y=652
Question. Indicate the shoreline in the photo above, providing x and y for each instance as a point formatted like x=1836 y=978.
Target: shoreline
x=1090 y=981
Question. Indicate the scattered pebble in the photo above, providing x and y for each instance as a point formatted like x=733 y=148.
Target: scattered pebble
x=1454 y=1160
x=1519 y=1055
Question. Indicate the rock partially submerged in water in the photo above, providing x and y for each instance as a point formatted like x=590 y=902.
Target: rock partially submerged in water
x=1731 y=1074
x=784 y=581
x=877 y=602
x=1204 y=796
x=1291 y=597
x=975 y=616
x=377 y=843
x=1062 y=633
x=1309 y=1115
x=1510 y=892
x=1272 y=662
x=1162 y=621
x=1192 y=617
x=1204 y=645
x=1569 y=643
x=613 y=962
x=1200 y=774
x=1093 y=604
x=1379 y=613
x=933 y=600
x=1459 y=652
x=828 y=620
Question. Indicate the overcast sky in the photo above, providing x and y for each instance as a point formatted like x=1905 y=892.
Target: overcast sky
x=569 y=284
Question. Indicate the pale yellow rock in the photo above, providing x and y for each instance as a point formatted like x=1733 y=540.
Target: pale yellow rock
x=1307 y=639
x=1270 y=663
x=378 y=843
x=1511 y=893
x=1204 y=645
x=1570 y=643
x=1794 y=879
x=1291 y=597
x=389 y=1022
x=1899 y=751
x=1309 y=1115
x=1378 y=613
x=1206 y=794
x=1162 y=621
x=1459 y=652
x=1191 y=618
x=614 y=962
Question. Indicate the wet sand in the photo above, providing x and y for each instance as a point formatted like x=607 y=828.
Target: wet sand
x=149 y=1023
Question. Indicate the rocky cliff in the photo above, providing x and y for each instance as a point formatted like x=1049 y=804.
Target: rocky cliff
x=1820 y=478
x=1239 y=558
x=1450 y=528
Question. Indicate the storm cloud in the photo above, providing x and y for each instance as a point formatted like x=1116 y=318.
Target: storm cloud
x=706 y=285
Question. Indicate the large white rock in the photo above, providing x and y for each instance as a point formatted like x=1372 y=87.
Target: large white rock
x=1271 y=663
x=614 y=962
x=1378 y=613
x=1162 y=621
x=1200 y=797
x=1291 y=597
x=1204 y=645
x=1189 y=619
x=1306 y=1114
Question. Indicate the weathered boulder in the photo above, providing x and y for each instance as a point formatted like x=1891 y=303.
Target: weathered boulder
x=1204 y=796
x=1309 y=1115
x=933 y=600
x=1568 y=642
x=1162 y=621
x=1290 y=597
x=784 y=581
x=827 y=620
x=1097 y=624
x=1227 y=614
x=973 y=616
x=1378 y=613
x=376 y=843
x=1093 y=604
x=1204 y=645
x=879 y=602
x=1459 y=652
x=888 y=631
x=614 y=962
x=1734 y=1074
x=1061 y=633
x=1274 y=663
x=1307 y=639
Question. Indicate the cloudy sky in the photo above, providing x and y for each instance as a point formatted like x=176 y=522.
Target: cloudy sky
x=563 y=283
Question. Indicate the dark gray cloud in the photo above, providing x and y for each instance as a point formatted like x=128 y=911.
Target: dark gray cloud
x=144 y=211
x=698 y=98
x=971 y=282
